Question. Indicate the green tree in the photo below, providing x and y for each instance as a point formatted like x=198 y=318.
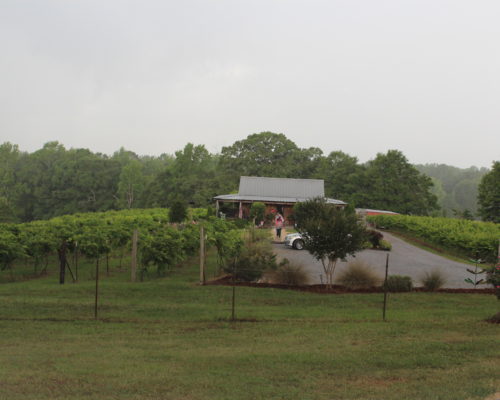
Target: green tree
x=178 y=211
x=257 y=211
x=260 y=154
x=130 y=184
x=329 y=233
x=191 y=177
x=342 y=175
x=456 y=188
x=489 y=194
x=391 y=183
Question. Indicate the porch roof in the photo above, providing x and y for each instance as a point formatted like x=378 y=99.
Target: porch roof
x=270 y=199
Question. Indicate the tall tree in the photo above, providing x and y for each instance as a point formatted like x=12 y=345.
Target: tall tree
x=329 y=233
x=393 y=184
x=342 y=175
x=190 y=177
x=489 y=194
x=130 y=184
x=260 y=154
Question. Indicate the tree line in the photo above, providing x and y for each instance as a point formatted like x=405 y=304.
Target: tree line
x=55 y=181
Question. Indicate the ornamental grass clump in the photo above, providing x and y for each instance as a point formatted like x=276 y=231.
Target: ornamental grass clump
x=290 y=273
x=399 y=283
x=433 y=280
x=359 y=275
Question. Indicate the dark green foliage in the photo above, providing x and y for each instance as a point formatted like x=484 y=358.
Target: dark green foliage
x=329 y=233
x=375 y=237
x=456 y=188
x=10 y=248
x=240 y=223
x=399 y=283
x=392 y=183
x=178 y=211
x=257 y=211
x=342 y=175
x=255 y=258
x=489 y=195
x=433 y=280
x=190 y=176
x=385 y=245
x=163 y=249
x=359 y=275
x=55 y=181
x=190 y=239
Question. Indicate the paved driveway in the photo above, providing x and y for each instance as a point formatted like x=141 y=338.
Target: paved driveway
x=404 y=259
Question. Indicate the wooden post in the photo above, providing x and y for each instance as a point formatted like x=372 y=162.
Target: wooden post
x=233 y=300
x=133 y=265
x=217 y=208
x=75 y=260
x=96 y=287
x=62 y=262
x=385 y=285
x=202 y=255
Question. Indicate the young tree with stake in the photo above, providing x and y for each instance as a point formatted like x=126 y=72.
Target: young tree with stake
x=330 y=233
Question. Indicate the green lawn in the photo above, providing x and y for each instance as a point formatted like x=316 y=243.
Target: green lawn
x=168 y=338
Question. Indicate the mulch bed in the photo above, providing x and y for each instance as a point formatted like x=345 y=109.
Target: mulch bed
x=335 y=289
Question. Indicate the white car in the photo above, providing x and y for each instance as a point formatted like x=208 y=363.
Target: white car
x=294 y=240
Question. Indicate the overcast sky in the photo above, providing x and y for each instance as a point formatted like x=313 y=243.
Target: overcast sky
x=361 y=76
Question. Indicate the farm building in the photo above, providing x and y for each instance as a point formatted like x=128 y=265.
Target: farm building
x=278 y=194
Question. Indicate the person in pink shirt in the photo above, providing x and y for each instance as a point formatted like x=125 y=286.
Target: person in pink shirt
x=278 y=222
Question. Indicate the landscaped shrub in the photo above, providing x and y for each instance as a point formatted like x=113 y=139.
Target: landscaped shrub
x=240 y=223
x=254 y=259
x=178 y=211
x=433 y=280
x=385 y=245
x=359 y=275
x=374 y=237
x=290 y=273
x=257 y=211
x=399 y=283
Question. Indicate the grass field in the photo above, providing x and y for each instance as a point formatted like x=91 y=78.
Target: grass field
x=168 y=338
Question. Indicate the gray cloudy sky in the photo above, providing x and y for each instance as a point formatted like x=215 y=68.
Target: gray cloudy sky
x=361 y=76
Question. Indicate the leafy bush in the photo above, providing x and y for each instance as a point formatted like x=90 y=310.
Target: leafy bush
x=164 y=249
x=240 y=223
x=254 y=259
x=359 y=275
x=399 y=283
x=257 y=211
x=178 y=211
x=433 y=280
x=374 y=237
x=290 y=273
x=385 y=245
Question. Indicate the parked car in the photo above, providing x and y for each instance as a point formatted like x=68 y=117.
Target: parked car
x=294 y=240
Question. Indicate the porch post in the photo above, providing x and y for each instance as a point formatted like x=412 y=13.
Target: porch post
x=217 y=208
x=240 y=212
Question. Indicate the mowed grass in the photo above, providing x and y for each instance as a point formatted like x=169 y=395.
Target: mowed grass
x=169 y=338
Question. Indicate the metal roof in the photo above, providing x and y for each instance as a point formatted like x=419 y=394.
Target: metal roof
x=278 y=190
x=281 y=187
x=271 y=199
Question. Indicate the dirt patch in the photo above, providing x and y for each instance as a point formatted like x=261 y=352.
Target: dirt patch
x=335 y=289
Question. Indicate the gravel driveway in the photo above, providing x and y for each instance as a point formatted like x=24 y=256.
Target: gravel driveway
x=404 y=259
